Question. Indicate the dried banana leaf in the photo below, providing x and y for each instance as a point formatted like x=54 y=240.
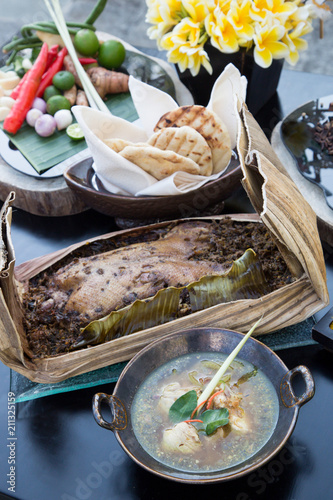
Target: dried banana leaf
x=244 y=280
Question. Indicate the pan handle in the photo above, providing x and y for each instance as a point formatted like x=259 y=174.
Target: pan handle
x=288 y=396
x=117 y=408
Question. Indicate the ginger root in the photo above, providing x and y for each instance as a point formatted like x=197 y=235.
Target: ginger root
x=81 y=98
x=108 y=82
x=71 y=94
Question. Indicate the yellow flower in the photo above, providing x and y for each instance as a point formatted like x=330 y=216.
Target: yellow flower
x=184 y=47
x=268 y=45
x=163 y=15
x=240 y=18
x=279 y=9
x=274 y=28
x=221 y=32
x=294 y=41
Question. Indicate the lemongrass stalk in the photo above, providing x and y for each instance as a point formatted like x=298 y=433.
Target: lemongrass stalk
x=221 y=371
x=93 y=97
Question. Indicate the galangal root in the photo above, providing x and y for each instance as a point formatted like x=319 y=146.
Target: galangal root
x=105 y=81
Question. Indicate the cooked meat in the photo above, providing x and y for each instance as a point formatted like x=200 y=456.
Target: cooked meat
x=95 y=286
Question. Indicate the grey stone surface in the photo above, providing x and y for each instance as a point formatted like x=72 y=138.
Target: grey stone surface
x=126 y=19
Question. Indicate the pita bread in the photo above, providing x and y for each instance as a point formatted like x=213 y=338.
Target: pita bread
x=157 y=162
x=187 y=142
x=208 y=124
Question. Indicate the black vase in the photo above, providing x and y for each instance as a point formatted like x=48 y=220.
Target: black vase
x=262 y=82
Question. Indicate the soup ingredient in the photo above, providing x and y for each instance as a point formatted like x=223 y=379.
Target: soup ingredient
x=86 y=42
x=108 y=82
x=63 y=80
x=182 y=437
x=28 y=92
x=56 y=66
x=111 y=54
x=57 y=102
x=40 y=104
x=63 y=118
x=74 y=131
x=210 y=387
x=45 y=125
x=32 y=116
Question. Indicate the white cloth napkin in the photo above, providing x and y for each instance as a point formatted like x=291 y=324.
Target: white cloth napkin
x=119 y=175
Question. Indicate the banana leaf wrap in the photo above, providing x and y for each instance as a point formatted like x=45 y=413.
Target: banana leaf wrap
x=244 y=280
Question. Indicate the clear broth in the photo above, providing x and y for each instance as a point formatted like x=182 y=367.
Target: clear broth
x=259 y=402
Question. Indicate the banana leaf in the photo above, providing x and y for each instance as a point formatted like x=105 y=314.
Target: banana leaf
x=244 y=280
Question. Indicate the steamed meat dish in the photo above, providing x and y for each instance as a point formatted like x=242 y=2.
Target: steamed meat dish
x=94 y=286
x=244 y=401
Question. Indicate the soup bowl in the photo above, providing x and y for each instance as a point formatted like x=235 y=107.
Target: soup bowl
x=202 y=340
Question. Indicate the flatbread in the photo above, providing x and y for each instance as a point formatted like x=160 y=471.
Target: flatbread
x=187 y=142
x=157 y=162
x=208 y=124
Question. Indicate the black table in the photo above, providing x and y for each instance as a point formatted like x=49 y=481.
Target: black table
x=60 y=452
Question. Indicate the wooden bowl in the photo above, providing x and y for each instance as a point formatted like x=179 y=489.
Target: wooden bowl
x=83 y=180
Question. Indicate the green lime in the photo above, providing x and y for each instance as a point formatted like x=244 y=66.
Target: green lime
x=57 y=102
x=74 y=131
x=63 y=80
x=50 y=91
x=86 y=42
x=111 y=54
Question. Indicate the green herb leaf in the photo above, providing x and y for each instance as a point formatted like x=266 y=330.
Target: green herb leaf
x=247 y=376
x=213 y=419
x=183 y=407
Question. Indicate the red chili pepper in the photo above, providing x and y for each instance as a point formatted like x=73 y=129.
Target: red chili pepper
x=23 y=103
x=87 y=60
x=51 y=56
x=193 y=420
x=55 y=68
x=210 y=400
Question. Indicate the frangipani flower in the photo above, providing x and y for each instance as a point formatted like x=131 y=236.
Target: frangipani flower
x=268 y=45
x=273 y=29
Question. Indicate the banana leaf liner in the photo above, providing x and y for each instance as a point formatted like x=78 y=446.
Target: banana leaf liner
x=279 y=206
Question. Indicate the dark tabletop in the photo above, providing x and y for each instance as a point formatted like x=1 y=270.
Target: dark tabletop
x=60 y=452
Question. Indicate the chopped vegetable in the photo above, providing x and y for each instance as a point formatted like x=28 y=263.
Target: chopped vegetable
x=74 y=132
x=28 y=92
x=45 y=125
x=53 y=69
x=212 y=384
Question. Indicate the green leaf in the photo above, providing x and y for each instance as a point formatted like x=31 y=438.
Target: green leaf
x=244 y=280
x=213 y=419
x=183 y=407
